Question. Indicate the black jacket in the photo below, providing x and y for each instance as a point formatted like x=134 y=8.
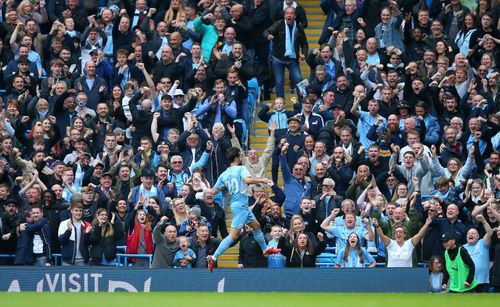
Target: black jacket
x=293 y=257
x=278 y=31
x=216 y=216
x=250 y=253
x=103 y=246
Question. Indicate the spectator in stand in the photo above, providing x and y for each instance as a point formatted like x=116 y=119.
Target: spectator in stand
x=165 y=237
x=353 y=255
x=290 y=46
x=250 y=255
x=72 y=232
x=400 y=249
x=33 y=245
x=103 y=237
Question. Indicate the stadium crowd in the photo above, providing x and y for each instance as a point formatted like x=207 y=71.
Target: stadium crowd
x=116 y=118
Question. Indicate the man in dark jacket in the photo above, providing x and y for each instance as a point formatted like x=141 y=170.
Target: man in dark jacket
x=95 y=94
x=33 y=245
x=289 y=46
x=237 y=60
x=214 y=213
x=203 y=245
x=141 y=119
x=250 y=257
x=71 y=232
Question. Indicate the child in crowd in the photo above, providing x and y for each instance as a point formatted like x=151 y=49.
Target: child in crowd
x=184 y=256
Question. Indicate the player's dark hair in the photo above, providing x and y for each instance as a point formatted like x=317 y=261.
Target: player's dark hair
x=233 y=153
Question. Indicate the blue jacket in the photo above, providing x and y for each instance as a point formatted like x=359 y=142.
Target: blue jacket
x=315 y=124
x=295 y=190
x=280 y=117
x=24 y=251
x=392 y=36
x=432 y=130
x=68 y=246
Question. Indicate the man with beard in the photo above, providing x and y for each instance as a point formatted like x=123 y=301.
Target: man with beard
x=236 y=179
x=451 y=147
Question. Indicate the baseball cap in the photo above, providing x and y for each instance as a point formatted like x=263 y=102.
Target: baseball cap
x=178 y=92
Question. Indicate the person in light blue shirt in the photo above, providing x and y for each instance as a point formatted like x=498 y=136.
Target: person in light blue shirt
x=367 y=120
x=343 y=232
x=353 y=255
x=479 y=252
x=236 y=180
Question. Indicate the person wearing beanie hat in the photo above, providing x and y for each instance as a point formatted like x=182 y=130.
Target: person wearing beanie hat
x=189 y=226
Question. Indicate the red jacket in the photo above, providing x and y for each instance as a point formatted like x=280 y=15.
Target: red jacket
x=134 y=238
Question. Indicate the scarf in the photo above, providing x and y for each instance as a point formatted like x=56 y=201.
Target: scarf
x=138 y=17
x=289 y=40
x=146 y=194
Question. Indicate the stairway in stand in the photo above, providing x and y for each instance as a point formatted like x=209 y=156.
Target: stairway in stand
x=258 y=129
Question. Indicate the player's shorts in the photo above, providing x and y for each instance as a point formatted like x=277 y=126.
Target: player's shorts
x=242 y=216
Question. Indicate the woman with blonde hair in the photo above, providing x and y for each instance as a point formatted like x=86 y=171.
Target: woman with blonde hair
x=181 y=212
x=401 y=191
x=174 y=15
x=26 y=10
x=454 y=169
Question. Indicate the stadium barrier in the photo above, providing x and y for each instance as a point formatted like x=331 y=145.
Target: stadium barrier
x=109 y=279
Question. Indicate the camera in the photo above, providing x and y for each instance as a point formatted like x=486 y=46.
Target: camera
x=82 y=103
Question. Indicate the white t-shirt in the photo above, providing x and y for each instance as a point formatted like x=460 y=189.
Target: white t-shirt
x=37 y=245
x=400 y=256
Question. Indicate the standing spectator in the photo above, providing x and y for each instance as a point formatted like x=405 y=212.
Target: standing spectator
x=479 y=252
x=289 y=47
x=250 y=255
x=203 y=245
x=400 y=249
x=214 y=213
x=295 y=185
x=103 y=237
x=166 y=244
x=71 y=232
x=33 y=245
x=353 y=255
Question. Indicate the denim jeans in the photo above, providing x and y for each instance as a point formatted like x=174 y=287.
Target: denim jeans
x=41 y=261
x=279 y=73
